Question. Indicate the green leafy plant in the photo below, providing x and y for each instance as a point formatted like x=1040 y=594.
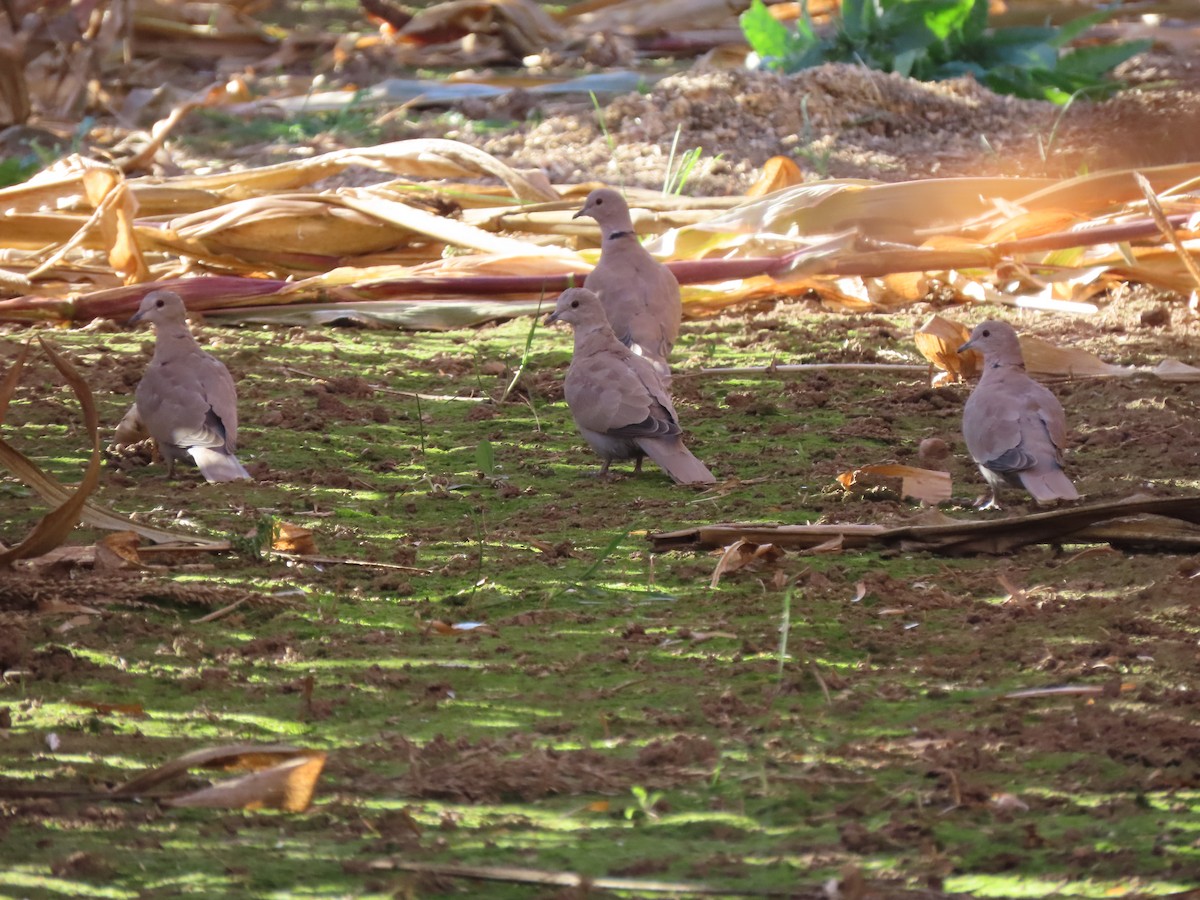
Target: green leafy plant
x=644 y=804
x=352 y=123
x=678 y=173
x=608 y=138
x=584 y=582
x=16 y=171
x=253 y=546
x=485 y=457
x=932 y=40
x=807 y=150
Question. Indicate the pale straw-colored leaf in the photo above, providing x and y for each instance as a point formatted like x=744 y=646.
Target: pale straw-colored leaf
x=417 y=158
x=448 y=230
x=905 y=211
x=287 y=786
x=1174 y=370
x=229 y=758
x=430 y=315
x=938 y=341
x=925 y=485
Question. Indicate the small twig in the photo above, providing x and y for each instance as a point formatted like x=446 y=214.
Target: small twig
x=804 y=367
x=218 y=613
x=342 y=561
x=821 y=683
x=161 y=130
x=608 y=692
x=955 y=787
x=1066 y=690
x=1160 y=219
x=523 y=875
x=419 y=396
x=420 y=423
x=30 y=793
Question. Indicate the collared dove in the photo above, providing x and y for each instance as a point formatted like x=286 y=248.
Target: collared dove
x=1015 y=428
x=640 y=295
x=617 y=397
x=186 y=398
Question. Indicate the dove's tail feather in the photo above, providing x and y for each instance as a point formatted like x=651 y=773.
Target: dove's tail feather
x=1049 y=484
x=677 y=461
x=216 y=465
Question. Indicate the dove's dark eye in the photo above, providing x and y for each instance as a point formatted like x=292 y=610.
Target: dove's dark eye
x=574 y=304
x=160 y=303
x=986 y=333
x=599 y=200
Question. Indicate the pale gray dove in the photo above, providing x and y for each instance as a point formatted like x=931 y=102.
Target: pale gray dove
x=617 y=397
x=186 y=398
x=640 y=295
x=1015 y=428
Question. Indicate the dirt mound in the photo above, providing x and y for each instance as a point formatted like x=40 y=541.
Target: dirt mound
x=846 y=121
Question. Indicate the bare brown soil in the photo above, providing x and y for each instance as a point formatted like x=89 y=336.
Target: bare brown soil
x=1123 y=622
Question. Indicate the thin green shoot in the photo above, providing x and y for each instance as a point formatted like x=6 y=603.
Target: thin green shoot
x=785 y=627
x=687 y=164
x=342 y=117
x=1044 y=151
x=676 y=177
x=667 y=176
x=644 y=804
x=479 y=579
x=585 y=579
x=818 y=159
x=526 y=353
x=420 y=423
x=537 y=423
x=479 y=385
x=608 y=138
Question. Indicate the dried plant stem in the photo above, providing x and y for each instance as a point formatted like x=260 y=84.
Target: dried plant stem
x=11 y=281
x=805 y=367
x=1168 y=230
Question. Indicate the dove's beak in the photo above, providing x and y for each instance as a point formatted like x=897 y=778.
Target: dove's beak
x=551 y=319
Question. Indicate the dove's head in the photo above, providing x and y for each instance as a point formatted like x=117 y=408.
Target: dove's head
x=159 y=307
x=577 y=306
x=608 y=208
x=997 y=342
